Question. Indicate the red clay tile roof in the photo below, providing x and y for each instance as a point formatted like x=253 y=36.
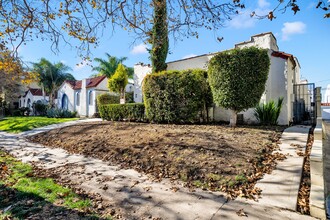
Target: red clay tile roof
x=90 y=82
x=284 y=55
x=36 y=92
x=74 y=84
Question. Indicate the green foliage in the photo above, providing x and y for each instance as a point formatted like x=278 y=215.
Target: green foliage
x=118 y=81
x=51 y=76
x=19 y=124
x=108 y=67
x=39 y=108
x=107 y=98
x=23 y=111
x=268 y=113
x=129 y=97
x=176 y=96
x=159 y=37
x=24 y=186
x=60 y=113
x=238 y=77
x=117 y=112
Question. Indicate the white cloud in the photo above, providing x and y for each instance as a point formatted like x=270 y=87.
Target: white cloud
x=292 y=28
x=139 y=49
x=263 y=4
x=63 y=61
x=243 y=21
x=189 y=56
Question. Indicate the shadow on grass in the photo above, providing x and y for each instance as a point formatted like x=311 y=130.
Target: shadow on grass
x=22 y=205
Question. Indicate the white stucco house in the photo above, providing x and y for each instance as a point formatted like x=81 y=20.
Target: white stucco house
x=30 y=96
x=80 y=95
x=325 y=106
x=283 y=74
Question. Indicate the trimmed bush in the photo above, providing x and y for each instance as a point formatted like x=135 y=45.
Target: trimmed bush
x=176 y=96
x=39 y=108
x=268 y=113
x=60 y=113
x=118 y=112
x=238 y=78
x=106 y=98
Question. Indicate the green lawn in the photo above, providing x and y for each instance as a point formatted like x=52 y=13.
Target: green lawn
x=20 y=124
x=23 y=194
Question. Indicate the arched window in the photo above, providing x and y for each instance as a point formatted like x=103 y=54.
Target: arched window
x=65 y=102
x=29 y=103
x=78 y=98
x=90 y=97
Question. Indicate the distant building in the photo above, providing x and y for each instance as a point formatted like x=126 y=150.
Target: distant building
x=30 y=96
x=80 y=95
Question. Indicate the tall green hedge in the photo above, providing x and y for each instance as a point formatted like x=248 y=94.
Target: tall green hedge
x=176 y=96
x=118 y=112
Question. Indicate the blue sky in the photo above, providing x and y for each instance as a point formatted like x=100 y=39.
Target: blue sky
x=305 y=35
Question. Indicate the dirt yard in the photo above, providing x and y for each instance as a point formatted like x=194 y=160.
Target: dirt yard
x=214 y=157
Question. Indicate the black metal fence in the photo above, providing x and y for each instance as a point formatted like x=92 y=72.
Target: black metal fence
x=304 y=104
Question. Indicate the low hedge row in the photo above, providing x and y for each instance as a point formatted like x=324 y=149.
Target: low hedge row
x=106 y=98
x=118 y=112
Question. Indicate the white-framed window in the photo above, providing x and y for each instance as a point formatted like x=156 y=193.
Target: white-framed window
x=90 y=97
x=78 y=98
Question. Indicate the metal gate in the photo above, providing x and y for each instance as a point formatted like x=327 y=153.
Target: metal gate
x=304 y=107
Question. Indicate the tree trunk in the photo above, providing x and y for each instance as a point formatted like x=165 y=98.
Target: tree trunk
x=159 y=37
x=122 y=96
x=233 y=118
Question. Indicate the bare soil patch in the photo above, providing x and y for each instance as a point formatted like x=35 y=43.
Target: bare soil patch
x=214 y=157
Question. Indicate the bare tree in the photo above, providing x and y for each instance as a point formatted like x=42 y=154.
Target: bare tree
x=61 y=20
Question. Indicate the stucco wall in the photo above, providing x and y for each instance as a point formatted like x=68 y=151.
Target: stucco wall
x=266 y=41
x=66 y=89
x=190 y=63
x=140 y=71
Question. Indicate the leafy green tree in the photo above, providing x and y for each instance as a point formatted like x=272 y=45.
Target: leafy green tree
x=107 y=67
x=238 y=78
x=51 y=76
x=117 y=83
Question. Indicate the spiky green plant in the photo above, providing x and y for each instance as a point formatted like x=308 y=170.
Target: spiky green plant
x=268 y=113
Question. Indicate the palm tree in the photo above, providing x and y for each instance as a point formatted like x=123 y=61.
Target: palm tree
x=51 y=76
x=108 y=66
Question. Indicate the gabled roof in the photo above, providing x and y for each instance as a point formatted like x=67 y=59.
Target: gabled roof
x=93 y=82
x=90 y=82
x=75 y=84
x=285 y=56
x=34 y=92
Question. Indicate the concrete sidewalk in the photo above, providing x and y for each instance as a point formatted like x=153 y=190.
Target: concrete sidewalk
x=138 y=197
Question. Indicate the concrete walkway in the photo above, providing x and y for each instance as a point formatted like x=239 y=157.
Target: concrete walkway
x=140 y=198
